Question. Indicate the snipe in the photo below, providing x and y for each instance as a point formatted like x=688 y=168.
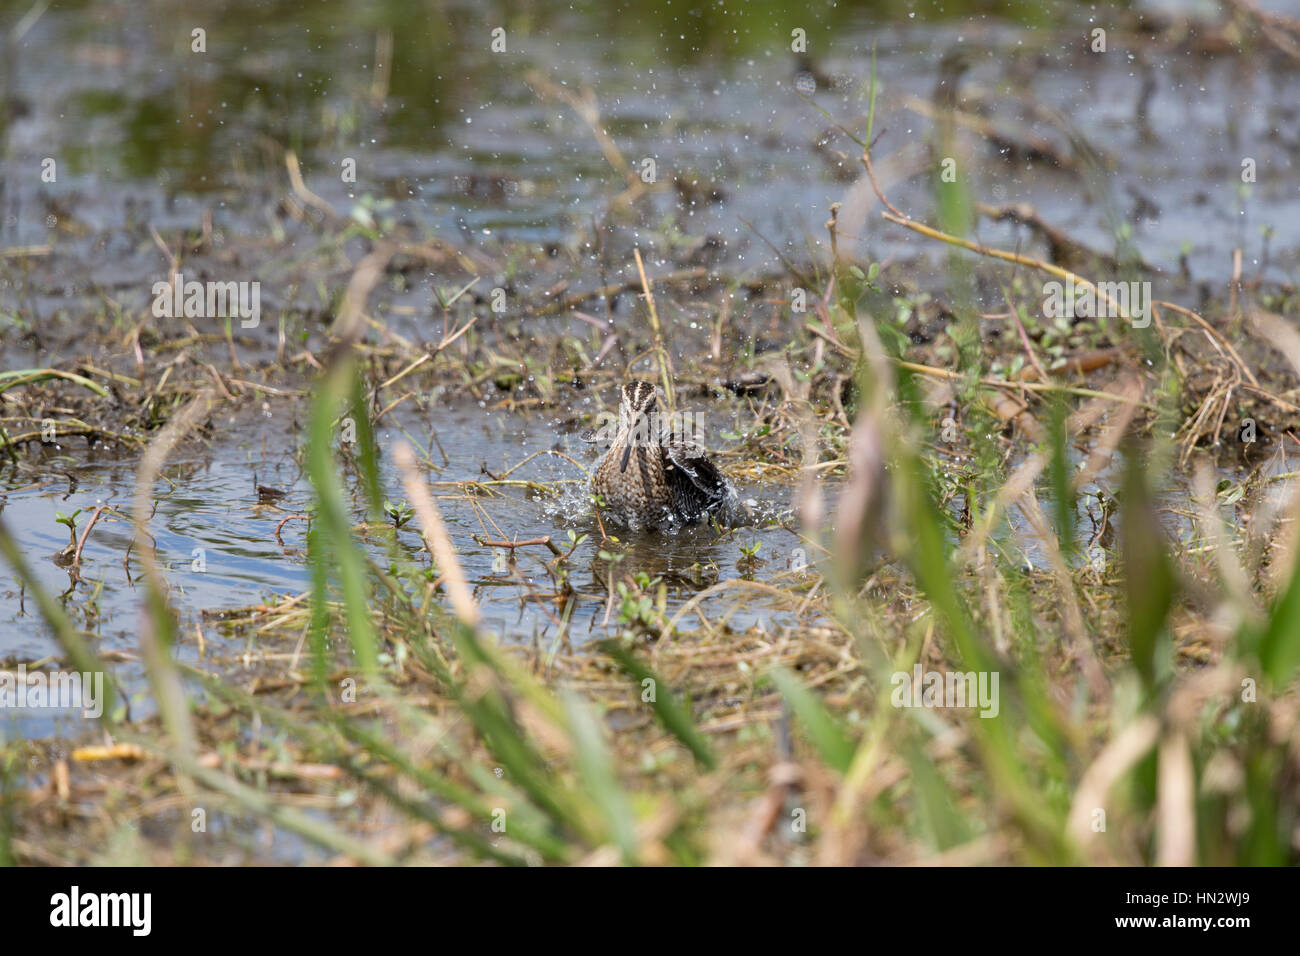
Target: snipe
x=652 y=476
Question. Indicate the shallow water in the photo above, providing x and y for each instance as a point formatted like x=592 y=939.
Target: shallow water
x=217 y=545
x=146 y=132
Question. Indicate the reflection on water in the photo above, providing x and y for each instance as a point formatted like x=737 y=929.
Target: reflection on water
x=457 y=139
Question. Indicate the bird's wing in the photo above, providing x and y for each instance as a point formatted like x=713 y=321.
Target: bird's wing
x=697 y=484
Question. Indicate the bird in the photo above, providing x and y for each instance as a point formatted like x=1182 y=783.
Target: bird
x=651 y=476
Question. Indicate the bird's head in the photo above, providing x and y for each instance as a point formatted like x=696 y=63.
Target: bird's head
x=638 y=420
x=636 y=409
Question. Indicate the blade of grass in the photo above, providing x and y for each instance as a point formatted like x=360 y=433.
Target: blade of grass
x=596 y=771
x=1149 y=581
x=78 y=652
x=675 y=718
x=823 y=730
x=332 y=528
x=28 y=376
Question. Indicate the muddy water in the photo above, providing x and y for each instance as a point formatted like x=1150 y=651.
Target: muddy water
x=216 y=539
x=146 y=132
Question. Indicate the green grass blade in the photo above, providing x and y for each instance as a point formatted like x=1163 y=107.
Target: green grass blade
x=1149 y=580
x=1278 y=646
x=333 y=536
x=596 y=771
x=27 y=376
x=823 y=729
x=674 y=717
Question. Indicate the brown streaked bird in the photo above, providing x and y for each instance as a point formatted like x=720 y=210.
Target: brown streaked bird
x=652 y=477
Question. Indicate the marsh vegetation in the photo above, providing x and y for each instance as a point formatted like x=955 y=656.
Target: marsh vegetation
x=1014 y=582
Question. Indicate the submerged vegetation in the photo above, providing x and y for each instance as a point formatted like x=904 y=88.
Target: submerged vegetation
x=1028 y=583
